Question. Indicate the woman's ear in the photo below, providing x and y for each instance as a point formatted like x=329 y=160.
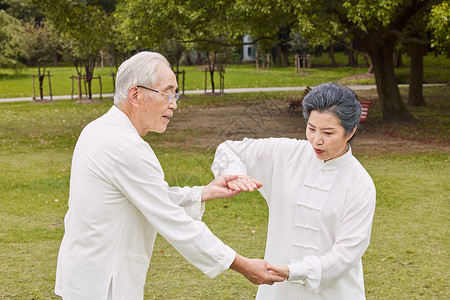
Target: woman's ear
x=349 y=137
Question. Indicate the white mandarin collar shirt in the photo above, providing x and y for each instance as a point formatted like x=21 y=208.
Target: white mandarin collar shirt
x=320 y=215
x=118 y=202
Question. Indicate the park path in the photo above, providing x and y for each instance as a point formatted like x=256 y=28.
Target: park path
x=237 y=90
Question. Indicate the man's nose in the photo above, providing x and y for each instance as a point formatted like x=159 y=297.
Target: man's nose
x=173 y=105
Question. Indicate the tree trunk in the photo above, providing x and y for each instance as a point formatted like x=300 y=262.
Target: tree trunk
x=89 y=68
x=41 y=82
x=274 y=55
x=415 y=97
x=279 y=60
x=211 y=68
x=333 y=58
x=285 y=50
x=381 y=54
x=352 y=62
x=351 y=59
x=318 y=51
x=89 y=83
x=211 y=74
x=398 y=62
x=55 y=58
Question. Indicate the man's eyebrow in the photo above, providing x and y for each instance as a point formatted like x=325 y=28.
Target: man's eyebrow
x=169 y=87
x=311 y=125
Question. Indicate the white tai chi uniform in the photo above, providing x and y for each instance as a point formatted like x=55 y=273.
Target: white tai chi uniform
x=320 y=215
x=118 y=202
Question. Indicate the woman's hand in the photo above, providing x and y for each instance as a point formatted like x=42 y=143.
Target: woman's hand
x=244 y=183
x=282 y=270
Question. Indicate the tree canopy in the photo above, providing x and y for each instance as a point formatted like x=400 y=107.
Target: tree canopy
x=216 y=27
x=377 y=27
x=84 y=28
x=12 y=42
x=439 y=26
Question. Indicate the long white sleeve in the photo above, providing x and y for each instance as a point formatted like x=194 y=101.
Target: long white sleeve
x=320 y=214
x=352 y=240
x=118 y=202
x=254 y=157
x=140 y=178
x=190 y=198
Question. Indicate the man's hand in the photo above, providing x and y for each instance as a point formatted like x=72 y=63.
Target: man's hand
x=244 y=183
x=227 y=186
x=255 y=270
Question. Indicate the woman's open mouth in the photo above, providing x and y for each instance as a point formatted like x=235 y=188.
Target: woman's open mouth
x=318 y=151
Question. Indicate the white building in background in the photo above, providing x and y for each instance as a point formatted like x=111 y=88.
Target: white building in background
x=249 y=51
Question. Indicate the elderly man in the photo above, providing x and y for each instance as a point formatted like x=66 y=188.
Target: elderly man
x=119 y=200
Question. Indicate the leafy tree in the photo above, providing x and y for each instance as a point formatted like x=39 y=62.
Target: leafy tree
x=269 y=22
x=439 y=26
x=12 y=42
x=415 y=38
x=207 y=27
x=23 y=10
x=84 y=27
x=201 y=25
x=375 y=26
x=41 y=48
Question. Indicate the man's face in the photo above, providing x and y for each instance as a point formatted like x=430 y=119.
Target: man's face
x=155 y=109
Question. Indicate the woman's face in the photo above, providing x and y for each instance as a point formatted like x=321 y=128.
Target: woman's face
x=326 y=135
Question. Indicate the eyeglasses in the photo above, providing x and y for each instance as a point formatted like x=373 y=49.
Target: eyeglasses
x=170 y=96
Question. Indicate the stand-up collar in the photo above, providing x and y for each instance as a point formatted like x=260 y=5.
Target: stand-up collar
x=115 y=112
x=335 y=162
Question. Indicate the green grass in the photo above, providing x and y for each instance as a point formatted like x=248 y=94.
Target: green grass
x=18 y=83
x=433 y=120
x=407 y=258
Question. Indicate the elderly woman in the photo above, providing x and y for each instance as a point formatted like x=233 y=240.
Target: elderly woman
x=321 y=200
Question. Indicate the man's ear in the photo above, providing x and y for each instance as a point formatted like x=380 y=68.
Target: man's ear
x=133 y=93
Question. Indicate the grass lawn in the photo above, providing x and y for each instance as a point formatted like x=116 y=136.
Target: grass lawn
x=18 y=83
x=407 y=258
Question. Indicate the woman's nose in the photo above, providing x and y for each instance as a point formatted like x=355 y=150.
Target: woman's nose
x=318 y=139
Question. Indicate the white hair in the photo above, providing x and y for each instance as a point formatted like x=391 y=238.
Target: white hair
x=140 y=69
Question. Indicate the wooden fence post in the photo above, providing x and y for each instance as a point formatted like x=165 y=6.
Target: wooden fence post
x=100 y=83
x=183 y=80
x=34 y=93
x=50 y=86
x=206 y=79
x=222 y=80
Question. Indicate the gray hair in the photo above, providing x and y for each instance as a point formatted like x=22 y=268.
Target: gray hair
x=140 y=69
x=336 y=99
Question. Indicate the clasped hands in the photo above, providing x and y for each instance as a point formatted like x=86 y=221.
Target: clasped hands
x=257 y=271
x=227 y=186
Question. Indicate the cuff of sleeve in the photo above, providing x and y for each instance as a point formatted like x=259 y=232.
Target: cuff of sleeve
x=309 y=271
x=223 y=265
x=198 y=207
x=297 y=271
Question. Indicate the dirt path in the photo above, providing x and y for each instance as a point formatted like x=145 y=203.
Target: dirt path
x=208 y=127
